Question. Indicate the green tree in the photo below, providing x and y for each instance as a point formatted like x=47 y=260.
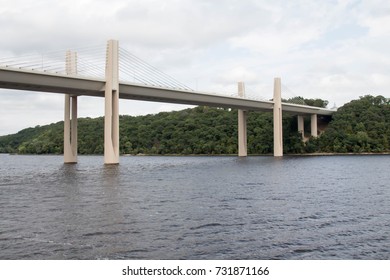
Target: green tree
x=359 y=126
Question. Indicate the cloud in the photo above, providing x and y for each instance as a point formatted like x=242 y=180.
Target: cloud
x=376 y=16
x=239 y=73
x=28 y=109
x=337 y=50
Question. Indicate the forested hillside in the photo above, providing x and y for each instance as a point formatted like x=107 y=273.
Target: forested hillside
x=360 y=126
x=201 y=130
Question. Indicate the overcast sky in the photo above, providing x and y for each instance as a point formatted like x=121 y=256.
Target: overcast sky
x=336 y=50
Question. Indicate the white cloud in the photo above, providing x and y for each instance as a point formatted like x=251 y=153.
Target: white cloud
x=239 y=73
x=375 y=15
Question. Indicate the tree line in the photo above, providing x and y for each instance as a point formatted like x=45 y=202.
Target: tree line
x=360 y=126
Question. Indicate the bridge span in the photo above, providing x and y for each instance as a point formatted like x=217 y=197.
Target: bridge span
x=112 y=89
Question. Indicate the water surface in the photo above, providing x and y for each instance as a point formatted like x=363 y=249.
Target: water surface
x=333 y=207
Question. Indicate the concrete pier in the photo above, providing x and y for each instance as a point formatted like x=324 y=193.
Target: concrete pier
x=242 y=131
x=278 y=127
x=314 y=125
x=111 y=95
x=301 y=126
x=70 y=116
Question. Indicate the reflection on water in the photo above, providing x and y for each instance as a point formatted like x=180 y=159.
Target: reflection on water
x=195 y=208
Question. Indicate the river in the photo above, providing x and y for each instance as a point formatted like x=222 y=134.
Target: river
x=303 y=207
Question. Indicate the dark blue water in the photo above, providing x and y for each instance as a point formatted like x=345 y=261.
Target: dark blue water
x=334 y=207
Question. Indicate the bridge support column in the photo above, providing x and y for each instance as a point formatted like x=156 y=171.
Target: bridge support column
x=242 y=132
x=70 y=117
x=314 y=125
x=111 y=117
x=301 y=126
x=278 y=127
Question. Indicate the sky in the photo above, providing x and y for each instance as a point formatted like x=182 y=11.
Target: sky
x=335 y=50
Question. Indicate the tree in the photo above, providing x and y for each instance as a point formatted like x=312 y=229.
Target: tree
x=309 y=102
x=359 y=126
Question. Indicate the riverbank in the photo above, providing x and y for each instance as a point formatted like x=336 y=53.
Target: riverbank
x=211 y=155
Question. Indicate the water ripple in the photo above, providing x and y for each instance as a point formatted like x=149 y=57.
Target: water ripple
x=195 y=208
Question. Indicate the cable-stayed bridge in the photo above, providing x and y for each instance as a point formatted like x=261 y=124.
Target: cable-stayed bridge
x=121 y=74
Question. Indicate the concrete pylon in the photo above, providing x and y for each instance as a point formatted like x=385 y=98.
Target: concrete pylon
x=314 y=125
x=278 y=127
x=242 y=131
x=70 y=117
x=111 y=115
x=301 y=126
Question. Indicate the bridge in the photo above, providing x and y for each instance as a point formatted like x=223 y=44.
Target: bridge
x=73 y=83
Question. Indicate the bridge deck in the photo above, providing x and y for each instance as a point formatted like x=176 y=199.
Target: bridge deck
x=11 y=78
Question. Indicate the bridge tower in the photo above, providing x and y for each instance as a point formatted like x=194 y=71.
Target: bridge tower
x=242 y=131
x=70 y=117
x=278 y=128
x=111 y=112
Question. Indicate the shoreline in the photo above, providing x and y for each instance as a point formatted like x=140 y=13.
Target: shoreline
x=212 y=155
x=339 y=154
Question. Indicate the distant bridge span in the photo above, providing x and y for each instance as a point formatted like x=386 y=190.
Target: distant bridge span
x=73 y=85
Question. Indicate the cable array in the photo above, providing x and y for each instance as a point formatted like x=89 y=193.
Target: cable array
x=134 y=69
x=90 y=62
x=252 y=95
x=49 y=62
x=290 y=97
